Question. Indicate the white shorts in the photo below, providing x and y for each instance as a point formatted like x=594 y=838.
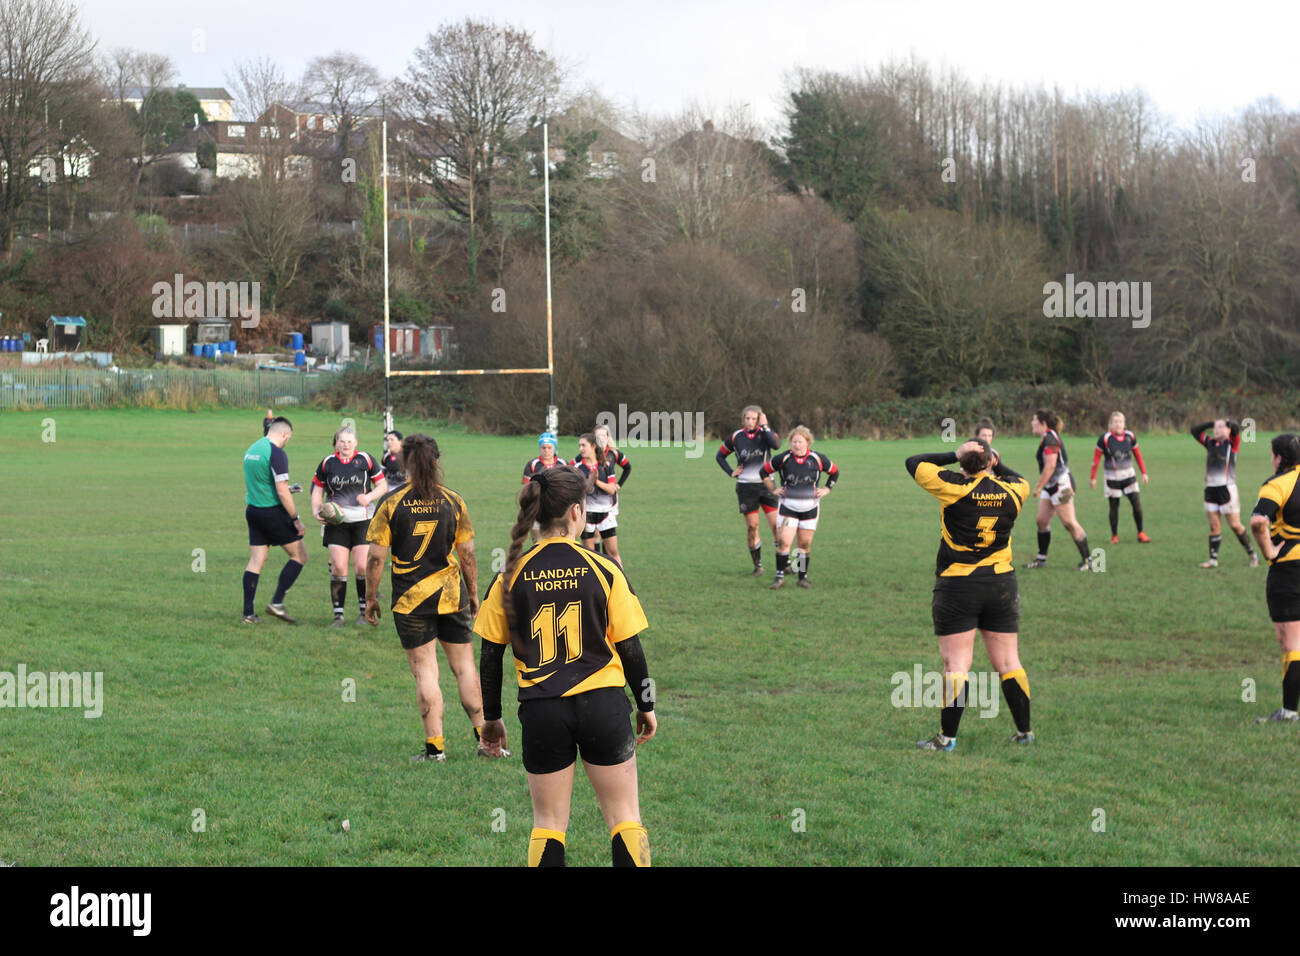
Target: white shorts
x=608 y=523
x=803 y=524
x=1055 y=497
x=1231 y=507
x=1130 y=489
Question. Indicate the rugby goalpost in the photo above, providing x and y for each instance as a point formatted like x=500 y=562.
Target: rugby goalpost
x=552 y=413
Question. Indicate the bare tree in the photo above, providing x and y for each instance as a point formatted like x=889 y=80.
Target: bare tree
x=349 y=88
x=128 y=72
x=43 y=47
x=707 y=177
x=262 y=92
x=473 y=86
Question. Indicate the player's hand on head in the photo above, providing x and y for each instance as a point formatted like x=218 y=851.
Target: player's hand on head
x=969 y=446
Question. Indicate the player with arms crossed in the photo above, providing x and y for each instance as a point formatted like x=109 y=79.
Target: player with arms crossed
x=1119 y=448
x=571 y=620
x=1055 y=488
x=272 y=519
x=975 y=579
x=427 y=529
x=1221 y=485
x=353 y=481
x=752 y=444
x=800 y=469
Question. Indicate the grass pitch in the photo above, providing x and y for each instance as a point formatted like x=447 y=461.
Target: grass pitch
x=122 y=551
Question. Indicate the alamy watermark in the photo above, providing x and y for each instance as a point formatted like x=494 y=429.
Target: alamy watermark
x=179 y=299
x=655 y=429
x=1098 y=300
x=925 y=689
x=76 y=689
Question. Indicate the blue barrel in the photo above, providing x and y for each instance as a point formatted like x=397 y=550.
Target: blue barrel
x=299 y=358
x=196 y=349
x=231 y=346
x=10 y=344
x=5 y=344
x=209 y=351
x=295 y=341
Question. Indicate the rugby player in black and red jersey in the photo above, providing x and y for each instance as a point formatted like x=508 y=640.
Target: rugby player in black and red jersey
x=752 y=445
x=606 y=449
x=394 y=473
x=546 y=446
x=1221 y=484
x=353 y=481
x=801 y=470
x=600 y=499
x=1055 y=490
x=1118 y=447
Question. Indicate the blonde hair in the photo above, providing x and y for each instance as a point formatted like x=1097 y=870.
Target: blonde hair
x=801 y=430
x=345 y=430
x=750 y=408
x=1115 y=415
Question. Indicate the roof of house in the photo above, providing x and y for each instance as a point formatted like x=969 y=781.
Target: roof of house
x=200 y=92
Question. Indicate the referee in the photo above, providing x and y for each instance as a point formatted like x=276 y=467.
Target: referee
x=272 y=518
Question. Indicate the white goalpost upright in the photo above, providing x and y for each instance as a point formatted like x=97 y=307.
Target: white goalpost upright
x=552 y=412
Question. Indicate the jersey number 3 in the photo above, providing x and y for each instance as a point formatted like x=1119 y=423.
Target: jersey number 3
x=547 y=627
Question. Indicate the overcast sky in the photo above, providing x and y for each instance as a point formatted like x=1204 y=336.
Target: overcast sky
x=1193 y=58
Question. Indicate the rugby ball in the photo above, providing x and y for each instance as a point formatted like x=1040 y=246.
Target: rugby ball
x=331 y=513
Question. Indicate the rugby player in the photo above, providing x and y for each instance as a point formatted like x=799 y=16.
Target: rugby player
x=801 y=470
x=1221 y=485
x=1118 y=447
x=752 y=444
x=975 y=579
x=1275 y=522
x=572 y=622
x=353 y=481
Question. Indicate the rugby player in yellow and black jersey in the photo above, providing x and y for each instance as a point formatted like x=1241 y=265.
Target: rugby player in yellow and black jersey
x=571 y=620
x=1275 y=524
x=975 y=581
x=427 y=528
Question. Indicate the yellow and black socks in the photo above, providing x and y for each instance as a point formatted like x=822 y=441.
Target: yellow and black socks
x=954 y=702
x=338 y=594
x=546 y=847
x=1015 y=688
x=434 y=745
x=629 y=844
x=1291 y=680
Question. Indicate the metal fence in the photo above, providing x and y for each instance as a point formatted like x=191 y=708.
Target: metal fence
x=102 y=388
